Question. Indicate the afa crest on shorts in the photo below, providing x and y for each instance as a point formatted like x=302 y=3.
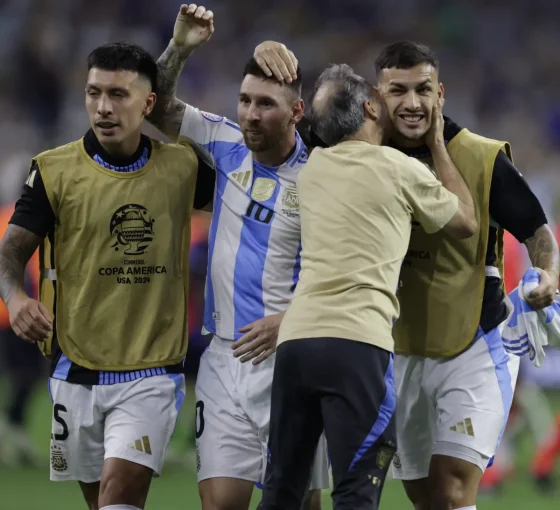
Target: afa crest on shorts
x=58 y=460
x=132 y=229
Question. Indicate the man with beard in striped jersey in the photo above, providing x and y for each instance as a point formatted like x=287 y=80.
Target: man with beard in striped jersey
x=254 y=262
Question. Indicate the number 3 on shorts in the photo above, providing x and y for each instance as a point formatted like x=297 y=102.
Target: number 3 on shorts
x=59 y=408
x=199 y=418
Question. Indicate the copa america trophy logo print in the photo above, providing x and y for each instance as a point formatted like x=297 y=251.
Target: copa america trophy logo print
x=132 y=229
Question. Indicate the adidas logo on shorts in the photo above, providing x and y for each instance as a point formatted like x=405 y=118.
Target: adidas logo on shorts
x=464 y=427
x=142 y=445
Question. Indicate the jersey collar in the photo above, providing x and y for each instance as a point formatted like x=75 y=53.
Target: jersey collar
x=298 y=152
x=94 y=148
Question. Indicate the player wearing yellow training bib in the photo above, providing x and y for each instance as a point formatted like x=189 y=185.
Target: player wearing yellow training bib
x=111 y=213
x=454 y=379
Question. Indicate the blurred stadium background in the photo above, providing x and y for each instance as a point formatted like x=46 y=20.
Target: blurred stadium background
x=501 y=69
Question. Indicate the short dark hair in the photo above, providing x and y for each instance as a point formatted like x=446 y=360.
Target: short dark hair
x=342 y=114
x=405 y=55
x=253 y=68
x=121 y=56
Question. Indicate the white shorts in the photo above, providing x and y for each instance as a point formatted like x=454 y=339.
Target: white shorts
x=456 y=407
x=233 y=418
x=131 y=420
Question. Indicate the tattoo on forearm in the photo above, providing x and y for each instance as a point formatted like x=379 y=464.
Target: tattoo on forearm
x=168 y=111
x=543 y=250
x=170 y=65
x=16 y=248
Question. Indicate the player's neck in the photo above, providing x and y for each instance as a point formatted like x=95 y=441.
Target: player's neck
x=279 y=154
x=124 y=149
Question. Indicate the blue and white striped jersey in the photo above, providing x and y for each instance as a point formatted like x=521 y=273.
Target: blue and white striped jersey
x=254 y=242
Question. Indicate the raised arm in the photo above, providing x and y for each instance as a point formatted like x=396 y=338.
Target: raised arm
x=193 y=27
x=29 y=319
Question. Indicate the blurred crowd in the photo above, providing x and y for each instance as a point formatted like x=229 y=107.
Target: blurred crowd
x=499 y=63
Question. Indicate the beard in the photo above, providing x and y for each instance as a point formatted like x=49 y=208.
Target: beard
x=257 y=138
x=411 y=133
x=261 y=145
x=258 y=141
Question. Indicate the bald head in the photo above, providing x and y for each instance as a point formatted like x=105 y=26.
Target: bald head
x=323 y=97
x=337 y=105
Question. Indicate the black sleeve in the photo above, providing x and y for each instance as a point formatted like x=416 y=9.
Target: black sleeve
x=512 y=203
x=33 y=210
x=205 y=182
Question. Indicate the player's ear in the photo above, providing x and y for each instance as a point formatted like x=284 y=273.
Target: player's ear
x=372 y=106
x=441 y=91
x=298 y=109
x=150 y=103
x=370 y=110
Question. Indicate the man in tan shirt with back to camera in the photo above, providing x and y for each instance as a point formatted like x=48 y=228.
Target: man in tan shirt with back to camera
x=334 y=365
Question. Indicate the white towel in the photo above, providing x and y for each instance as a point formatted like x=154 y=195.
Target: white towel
x=529 y=331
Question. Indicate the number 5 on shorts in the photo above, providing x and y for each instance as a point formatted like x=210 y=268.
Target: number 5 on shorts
x=59 y=408
x=199 y=418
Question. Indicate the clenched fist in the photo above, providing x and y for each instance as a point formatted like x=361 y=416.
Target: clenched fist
x=193 y=27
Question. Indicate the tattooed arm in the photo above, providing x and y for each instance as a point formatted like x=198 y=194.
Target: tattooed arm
x=16 y=248
x=193 y=27
x=515 y=208
x=543 y=252
x=29 y=319
x=168 y=111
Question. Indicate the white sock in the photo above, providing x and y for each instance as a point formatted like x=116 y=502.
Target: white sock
x=464 y=508
x=120 y=507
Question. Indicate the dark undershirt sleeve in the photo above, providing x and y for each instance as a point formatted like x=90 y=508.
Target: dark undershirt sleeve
x=513 y=205
x=33 y=210
x=205 y=183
